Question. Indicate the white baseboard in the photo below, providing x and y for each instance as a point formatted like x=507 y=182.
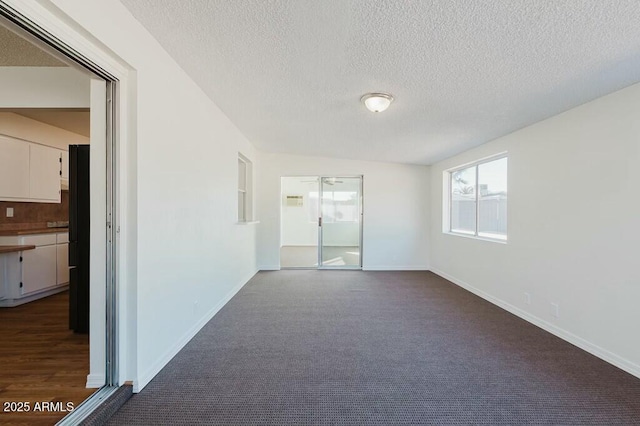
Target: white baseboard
x=163 y=360
x=364 y=268
x=95 y=381
x=395 y=268
x=269 y=268
x=610 y=357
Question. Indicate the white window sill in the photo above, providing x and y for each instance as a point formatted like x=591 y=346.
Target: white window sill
x=474 y=237
x=251 y=222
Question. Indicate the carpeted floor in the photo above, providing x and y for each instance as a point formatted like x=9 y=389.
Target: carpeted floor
x=378 y=348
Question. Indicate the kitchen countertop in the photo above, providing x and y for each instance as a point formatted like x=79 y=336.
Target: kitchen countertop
x=12 y=249
x=32 y=231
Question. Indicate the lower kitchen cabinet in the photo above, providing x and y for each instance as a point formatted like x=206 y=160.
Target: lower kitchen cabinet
x=10 y=278
x=32 y=274
x=62 y=258
x=39 y=269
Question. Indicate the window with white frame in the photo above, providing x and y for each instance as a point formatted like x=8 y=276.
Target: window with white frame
x=477 y=197
x=245 y=193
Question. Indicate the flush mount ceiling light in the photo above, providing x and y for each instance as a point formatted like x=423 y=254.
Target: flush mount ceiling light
x=377 y=102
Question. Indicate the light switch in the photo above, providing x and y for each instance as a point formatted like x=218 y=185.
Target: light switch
x=9 y=211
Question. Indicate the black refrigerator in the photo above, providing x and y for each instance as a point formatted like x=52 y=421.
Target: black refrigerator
x=79 y=198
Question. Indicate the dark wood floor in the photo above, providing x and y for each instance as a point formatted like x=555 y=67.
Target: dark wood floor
x=41 y=360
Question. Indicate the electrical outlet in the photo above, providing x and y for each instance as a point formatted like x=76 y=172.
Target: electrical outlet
x=9 y=211
x=555 y=309
x=527 y=298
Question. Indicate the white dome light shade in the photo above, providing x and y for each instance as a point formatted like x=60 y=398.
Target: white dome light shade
x=377 y=102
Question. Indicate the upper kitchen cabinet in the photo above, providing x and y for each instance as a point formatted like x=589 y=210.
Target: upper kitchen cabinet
x=14 y=169
x=44 y=173
x=64 y=165
x=29 y=172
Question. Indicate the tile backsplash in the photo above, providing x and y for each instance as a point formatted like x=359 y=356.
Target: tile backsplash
x=33 y=215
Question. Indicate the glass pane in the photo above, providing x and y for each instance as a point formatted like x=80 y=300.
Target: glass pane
x=299 y=222
x=312 y=205
x=242 y=175
x=463 y=201
x=492 y=188
x=341 y=222
x=241 y=207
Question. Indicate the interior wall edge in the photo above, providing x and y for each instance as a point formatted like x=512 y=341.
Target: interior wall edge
x=145 y=377
x=269 y=268
x=571 y=256
x=612 y=358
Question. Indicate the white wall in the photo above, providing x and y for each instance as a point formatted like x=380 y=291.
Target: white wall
x=573 y=228
x=25 y=128
x=396 y=208
x=187 y=253
x=43 y=87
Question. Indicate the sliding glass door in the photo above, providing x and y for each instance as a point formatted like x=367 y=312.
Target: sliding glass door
x=340 y=224
x=299 y=212
x=321 y=222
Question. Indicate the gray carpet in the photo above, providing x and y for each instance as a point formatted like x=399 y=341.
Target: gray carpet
x=378 y=348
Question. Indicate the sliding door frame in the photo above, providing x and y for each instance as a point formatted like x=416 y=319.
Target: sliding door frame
x=24 y=17
x=319 y=219
x=321 y=222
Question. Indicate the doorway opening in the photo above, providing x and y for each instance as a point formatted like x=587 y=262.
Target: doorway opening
x=321 y=222
x=61 y=290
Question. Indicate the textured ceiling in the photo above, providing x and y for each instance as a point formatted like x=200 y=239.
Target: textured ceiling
x=18 y=52
x=290 y=73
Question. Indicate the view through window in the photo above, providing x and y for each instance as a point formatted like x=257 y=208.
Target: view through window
x=478 y=199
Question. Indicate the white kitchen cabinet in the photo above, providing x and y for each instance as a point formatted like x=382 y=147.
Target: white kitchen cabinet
x=64 y=165
x=30 y=172
x=62 y=264
x=39 y=269
x=36 y=273
x=3 y=273
x=14 y=169
x=10 y=277
x=39 y=265
x=44 y=173
x=62 y=258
